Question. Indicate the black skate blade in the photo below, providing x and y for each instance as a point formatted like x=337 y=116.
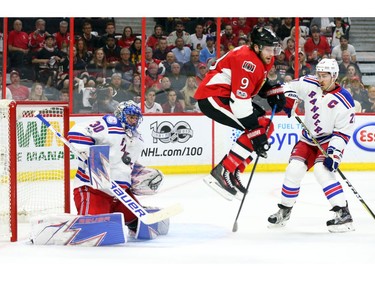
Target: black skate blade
x=211 y=182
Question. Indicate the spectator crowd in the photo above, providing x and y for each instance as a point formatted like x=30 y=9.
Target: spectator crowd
x=177 y=56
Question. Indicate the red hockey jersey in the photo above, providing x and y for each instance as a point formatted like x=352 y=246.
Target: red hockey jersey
x=239 y=71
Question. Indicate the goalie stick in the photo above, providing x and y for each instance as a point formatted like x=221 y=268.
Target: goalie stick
x=338 y=170
x=117 y=191
x=235 y=224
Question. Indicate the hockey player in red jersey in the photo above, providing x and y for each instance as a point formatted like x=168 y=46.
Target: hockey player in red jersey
x=226 y=96
x=329 y=117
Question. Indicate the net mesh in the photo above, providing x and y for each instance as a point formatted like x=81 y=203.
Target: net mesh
x=39 y=157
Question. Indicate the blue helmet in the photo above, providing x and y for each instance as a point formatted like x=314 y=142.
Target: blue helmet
x=126 y=110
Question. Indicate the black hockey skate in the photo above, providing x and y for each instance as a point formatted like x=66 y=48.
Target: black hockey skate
x=281 y=217
x=236 y=180
x=342 y=222
x=219 y=180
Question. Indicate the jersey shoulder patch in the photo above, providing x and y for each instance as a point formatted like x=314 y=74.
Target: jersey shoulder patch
x=249 y=66
x=344 y=97
x=110 y=119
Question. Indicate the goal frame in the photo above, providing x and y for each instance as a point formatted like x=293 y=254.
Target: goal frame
x=13 y=159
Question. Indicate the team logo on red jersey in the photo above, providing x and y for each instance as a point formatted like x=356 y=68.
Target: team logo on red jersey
x=248 y=66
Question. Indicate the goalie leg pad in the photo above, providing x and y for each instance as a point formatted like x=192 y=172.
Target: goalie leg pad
x=150 y=231
x=71 y=230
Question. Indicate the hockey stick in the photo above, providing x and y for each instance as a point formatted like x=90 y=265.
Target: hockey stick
x=338 y=170
x=117 y=191
x=235 y=224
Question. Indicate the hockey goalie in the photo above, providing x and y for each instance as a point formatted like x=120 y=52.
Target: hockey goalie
x=111 y=146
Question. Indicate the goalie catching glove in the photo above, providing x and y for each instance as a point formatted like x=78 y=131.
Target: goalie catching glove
x=145 y=180
x=333 y=160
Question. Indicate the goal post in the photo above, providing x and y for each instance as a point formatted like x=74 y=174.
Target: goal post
x=34 y=163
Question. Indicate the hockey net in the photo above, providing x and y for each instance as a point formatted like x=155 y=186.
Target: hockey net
x=34 y=164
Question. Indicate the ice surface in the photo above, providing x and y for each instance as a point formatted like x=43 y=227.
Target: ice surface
x=201 y=239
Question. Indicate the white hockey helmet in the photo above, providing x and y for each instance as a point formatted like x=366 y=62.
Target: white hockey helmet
x=330 y=66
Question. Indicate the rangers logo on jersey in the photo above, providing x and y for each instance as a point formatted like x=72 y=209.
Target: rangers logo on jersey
x=249 y=66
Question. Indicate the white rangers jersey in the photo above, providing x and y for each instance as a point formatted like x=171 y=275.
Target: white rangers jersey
x=106 y=131
x=329 y=116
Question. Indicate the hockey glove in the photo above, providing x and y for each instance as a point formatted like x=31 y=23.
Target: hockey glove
x=275 y=96
x=259 y=141
x=288 y=111
x=290 y=106
x=156 y=181
x=333 y=159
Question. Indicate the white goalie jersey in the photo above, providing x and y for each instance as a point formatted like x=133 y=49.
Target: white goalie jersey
x=125 y=150
x=329 y=116
x=106 y=131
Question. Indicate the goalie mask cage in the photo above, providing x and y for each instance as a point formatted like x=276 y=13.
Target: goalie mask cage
x=34 y=164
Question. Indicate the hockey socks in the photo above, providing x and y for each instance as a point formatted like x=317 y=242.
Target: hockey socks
x=239 y=155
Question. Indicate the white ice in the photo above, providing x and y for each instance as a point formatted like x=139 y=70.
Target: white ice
x=201 y=238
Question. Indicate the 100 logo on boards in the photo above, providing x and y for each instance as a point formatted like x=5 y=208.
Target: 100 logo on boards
x=166 y=132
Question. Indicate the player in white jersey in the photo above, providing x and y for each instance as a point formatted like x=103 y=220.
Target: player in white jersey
x=329 y=116
x=119 y=132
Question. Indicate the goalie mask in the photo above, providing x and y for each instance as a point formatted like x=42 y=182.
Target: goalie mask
x=129 y=114
x=262 y=37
